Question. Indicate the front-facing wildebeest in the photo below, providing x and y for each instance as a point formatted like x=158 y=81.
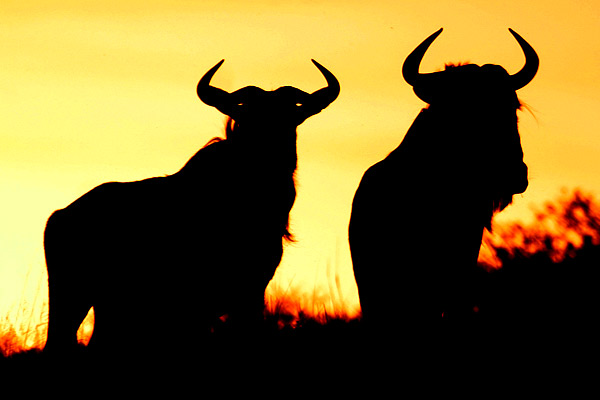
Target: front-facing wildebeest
x=160 y=259
x=418 y=215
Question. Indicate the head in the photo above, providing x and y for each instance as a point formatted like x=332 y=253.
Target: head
x=254 y=108
x=476 y=105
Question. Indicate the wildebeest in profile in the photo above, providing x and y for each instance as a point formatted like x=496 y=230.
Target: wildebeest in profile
x=160 y=259
x=418 y=215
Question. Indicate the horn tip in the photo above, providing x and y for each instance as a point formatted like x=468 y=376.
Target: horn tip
x=321 y=68
x=217 y=65
x=515 y=34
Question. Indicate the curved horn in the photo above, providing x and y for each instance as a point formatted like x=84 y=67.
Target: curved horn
x=532 y=63
x=324 y=96
x=410 y=68
x=212 y=96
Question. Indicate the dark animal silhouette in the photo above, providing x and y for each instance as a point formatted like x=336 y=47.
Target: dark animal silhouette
x=161 y=259
x=418 y=215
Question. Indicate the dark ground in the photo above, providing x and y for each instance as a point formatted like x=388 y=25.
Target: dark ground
x=534 y=320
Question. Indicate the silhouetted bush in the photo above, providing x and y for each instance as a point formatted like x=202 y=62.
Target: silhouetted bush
x=545 y=287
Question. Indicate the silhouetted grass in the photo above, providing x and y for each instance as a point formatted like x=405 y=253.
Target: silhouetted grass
x=24 y=327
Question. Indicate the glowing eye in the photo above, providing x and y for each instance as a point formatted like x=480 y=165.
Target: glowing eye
x=298 y=104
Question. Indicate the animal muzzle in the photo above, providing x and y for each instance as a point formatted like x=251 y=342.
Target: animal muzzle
x=520 y=180
x=512 y=180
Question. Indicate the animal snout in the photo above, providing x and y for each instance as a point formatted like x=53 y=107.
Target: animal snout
x=521 y=181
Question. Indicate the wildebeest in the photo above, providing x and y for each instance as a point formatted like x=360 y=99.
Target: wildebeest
x=419 y=214
x=161 y=259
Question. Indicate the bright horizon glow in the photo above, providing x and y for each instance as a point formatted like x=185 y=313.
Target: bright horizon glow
x=94 y=92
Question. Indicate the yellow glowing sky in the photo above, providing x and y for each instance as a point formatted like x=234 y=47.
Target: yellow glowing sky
x=92 y=91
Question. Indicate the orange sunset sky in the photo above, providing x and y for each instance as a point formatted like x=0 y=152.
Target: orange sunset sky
x=94 y=91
